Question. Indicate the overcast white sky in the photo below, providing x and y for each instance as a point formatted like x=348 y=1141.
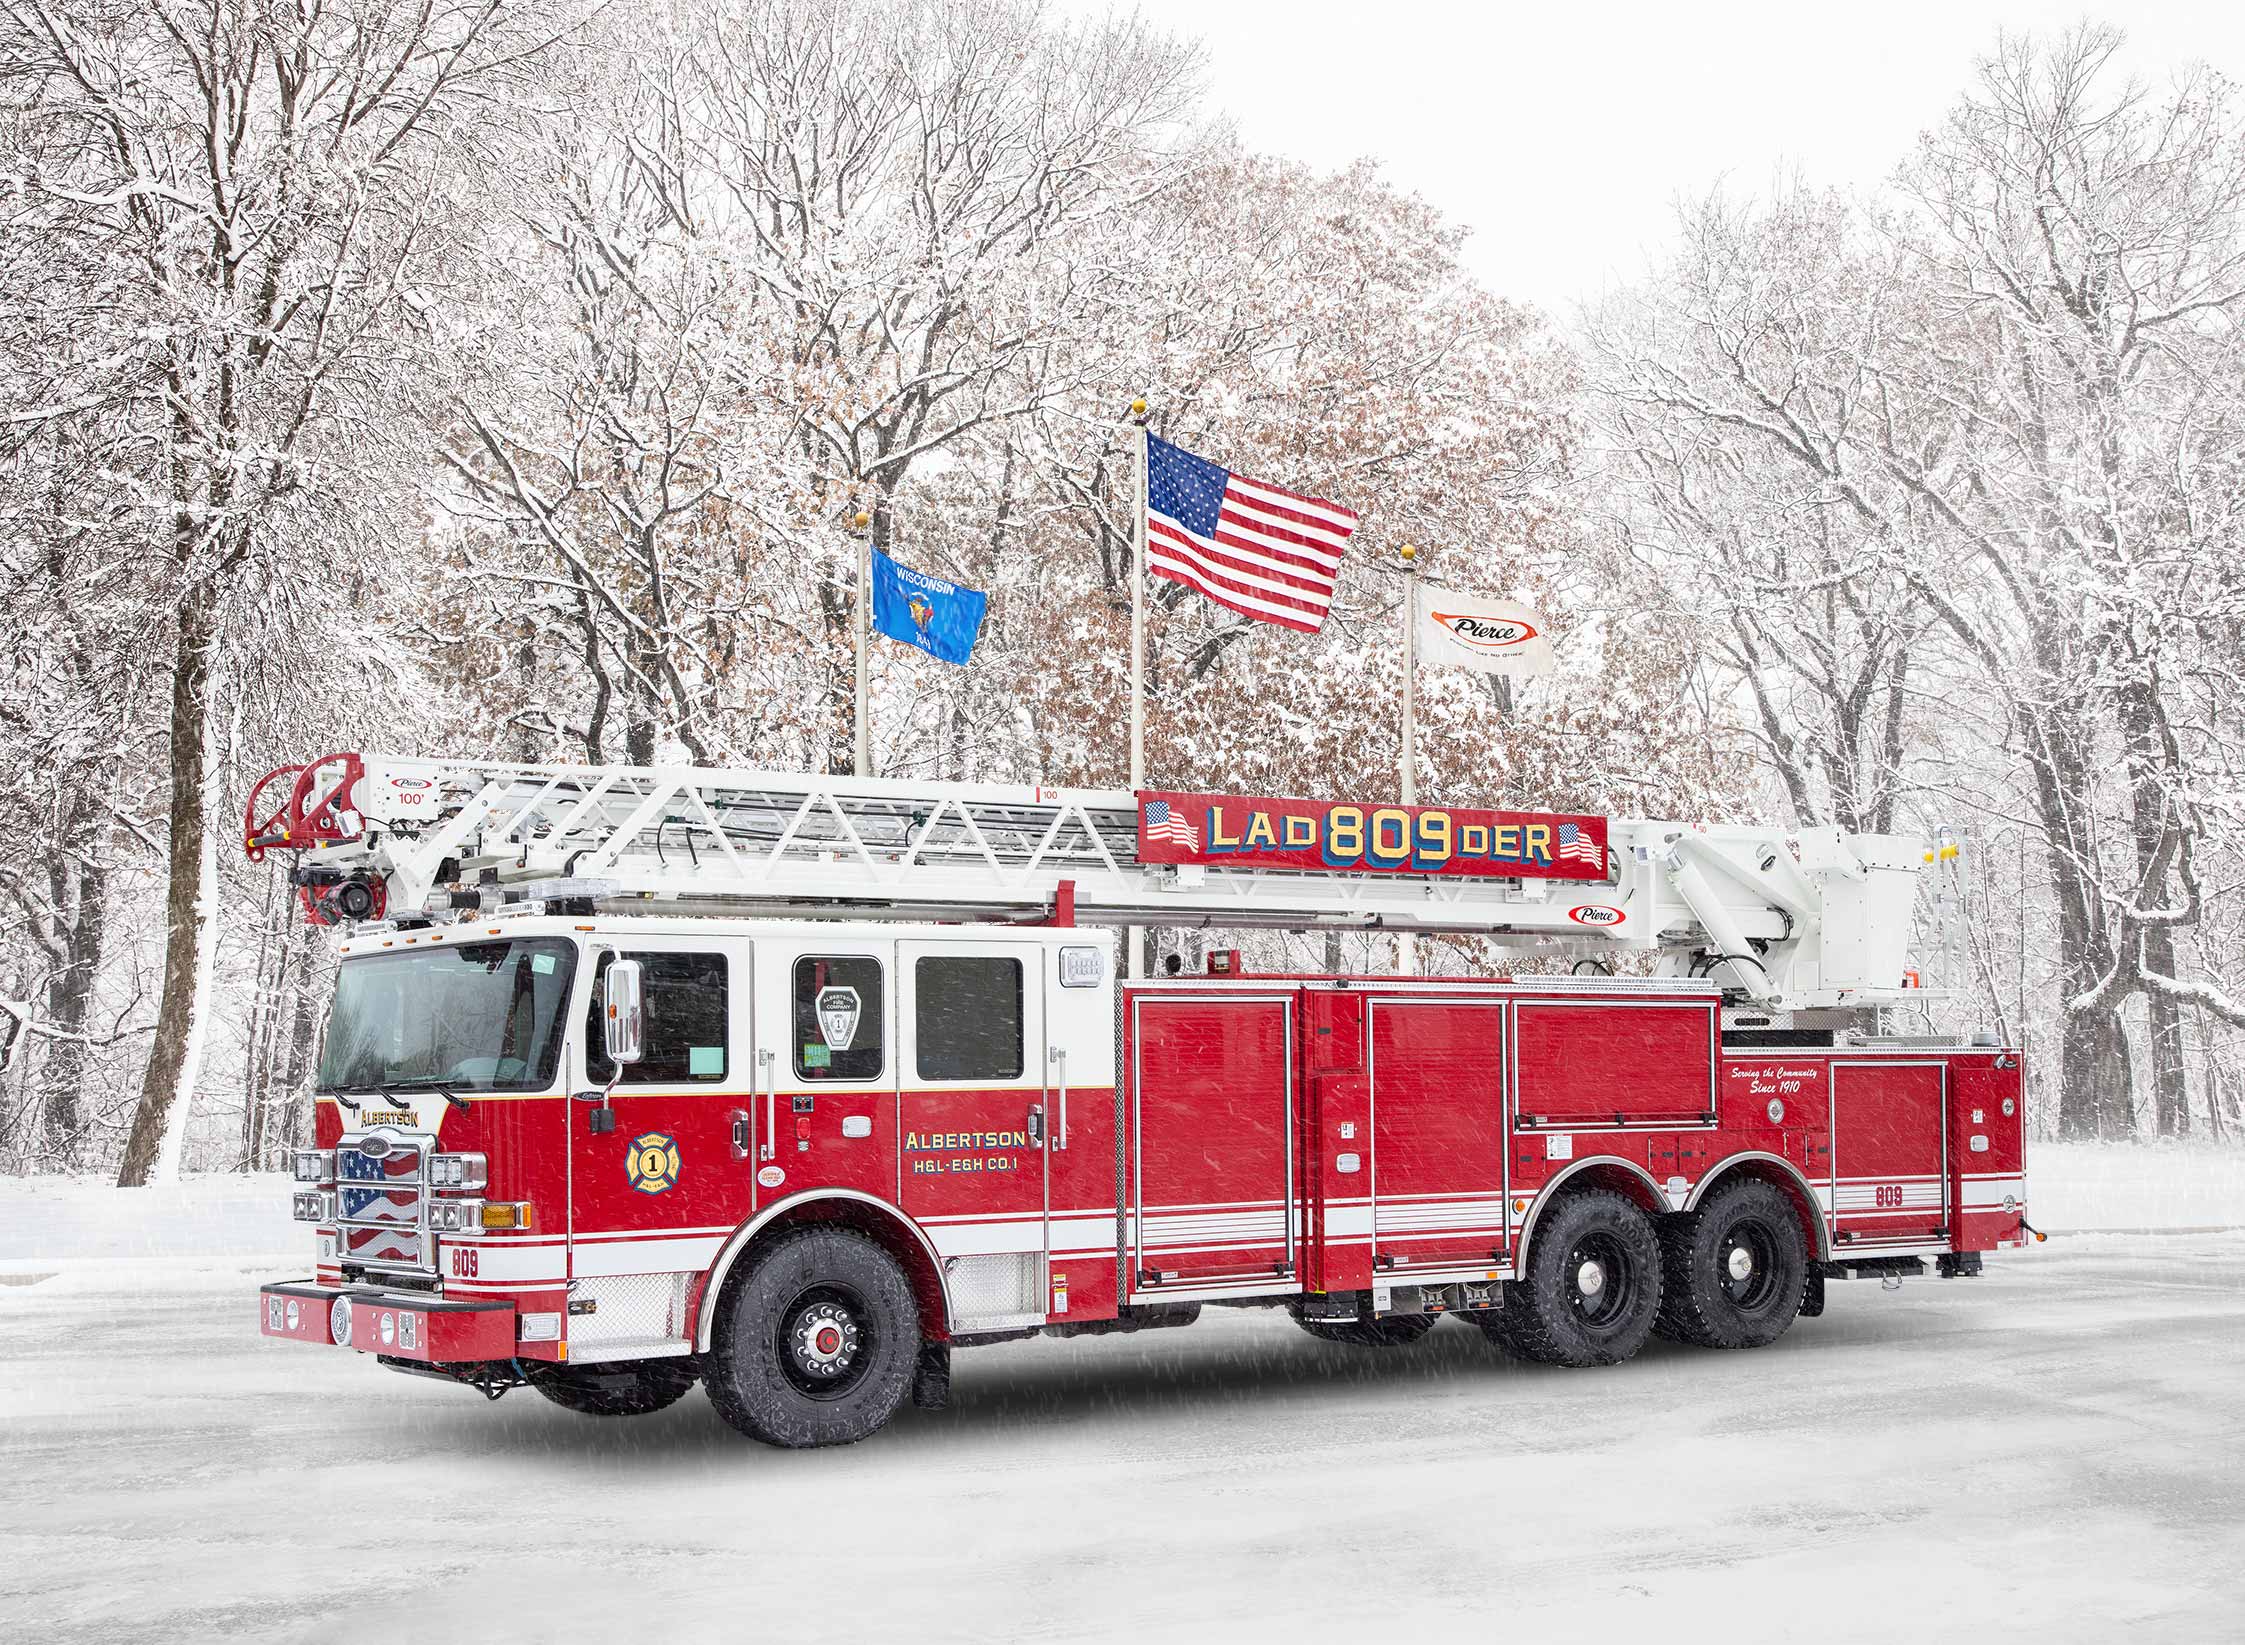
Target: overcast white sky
x=1563 y=133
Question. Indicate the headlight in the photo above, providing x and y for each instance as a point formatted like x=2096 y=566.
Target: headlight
x=313 y=1164
x=466 y=1172
x=313 y=1205
x=456 y=1216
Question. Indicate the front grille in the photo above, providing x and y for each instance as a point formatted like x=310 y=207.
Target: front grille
x=382 y=1203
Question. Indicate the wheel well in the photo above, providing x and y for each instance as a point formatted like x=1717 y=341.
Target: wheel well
x=1632 y=1182
x=877 y=1220
x=1781 y=1175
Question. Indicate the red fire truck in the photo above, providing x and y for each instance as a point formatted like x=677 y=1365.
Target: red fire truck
x=637 y=1078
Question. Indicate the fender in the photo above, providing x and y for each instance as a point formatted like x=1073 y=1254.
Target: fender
x=733 y=1247
x=1551 y=1192
x=1822 y=1217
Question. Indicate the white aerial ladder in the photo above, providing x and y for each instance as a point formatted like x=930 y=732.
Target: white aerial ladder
x=1801 y=920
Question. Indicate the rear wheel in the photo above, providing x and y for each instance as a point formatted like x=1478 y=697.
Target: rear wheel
x=1591 y=1289
x=629 y=1388
x=1388 y=1331
x=818 y=1342
x=1736 y=1268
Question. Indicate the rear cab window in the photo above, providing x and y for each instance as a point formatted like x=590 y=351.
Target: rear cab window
x=839 y=1011
x=967 y=1017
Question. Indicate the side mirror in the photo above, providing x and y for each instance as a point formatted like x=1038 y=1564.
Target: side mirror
x=623 y=1012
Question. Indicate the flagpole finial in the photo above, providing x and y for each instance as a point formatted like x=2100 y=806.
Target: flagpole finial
x=1407 y=553
x=860 y=520
x=1138 y=408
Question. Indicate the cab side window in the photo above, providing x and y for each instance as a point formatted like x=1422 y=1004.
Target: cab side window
x=966 y=1017
x=687 y=1018
x=838 y=1017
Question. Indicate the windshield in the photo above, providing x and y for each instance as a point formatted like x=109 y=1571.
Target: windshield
x=485 y=1016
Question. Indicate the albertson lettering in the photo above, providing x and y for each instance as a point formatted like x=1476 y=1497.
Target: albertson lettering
x=916 y=1142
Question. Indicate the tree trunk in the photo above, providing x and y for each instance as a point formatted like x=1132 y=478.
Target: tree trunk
x=63 y=1071
x=2086 y=1058
x=2170 y=1082
x=304 y=1040
x=175 y=1058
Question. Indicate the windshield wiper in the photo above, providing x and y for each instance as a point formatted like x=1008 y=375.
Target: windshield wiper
x=342 y=1094
x=449 y=1095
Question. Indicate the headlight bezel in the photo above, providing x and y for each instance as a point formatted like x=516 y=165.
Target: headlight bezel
x=465 y=1173
x=314 y=1205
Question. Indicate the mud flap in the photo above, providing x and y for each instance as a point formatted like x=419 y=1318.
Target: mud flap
x=931 y=1377
x=1812 y=1294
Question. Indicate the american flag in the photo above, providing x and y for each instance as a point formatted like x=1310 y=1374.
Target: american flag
x=1264 y=551
x=1164 y=824
x=1573 y=842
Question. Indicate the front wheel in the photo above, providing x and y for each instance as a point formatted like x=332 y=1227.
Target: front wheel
x=628 y=1388
x=1591 y=1289
x=817 y=1343
x=1737 y=1268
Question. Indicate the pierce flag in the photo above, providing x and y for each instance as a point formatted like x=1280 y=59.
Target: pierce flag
x=939 y=617
x=1491 y=636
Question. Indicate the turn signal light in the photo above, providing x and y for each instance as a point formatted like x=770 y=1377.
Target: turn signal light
x=502 y=1215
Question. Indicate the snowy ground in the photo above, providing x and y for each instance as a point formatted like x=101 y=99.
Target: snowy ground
x=2056 y=1450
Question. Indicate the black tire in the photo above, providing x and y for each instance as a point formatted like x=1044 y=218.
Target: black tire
x=628 y=1388
x=817 y=1342
x=1735 y=1270
x=1591 y=1289
x=1388 y=1331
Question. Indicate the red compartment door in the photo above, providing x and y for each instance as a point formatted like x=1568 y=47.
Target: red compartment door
x=1437 y=1158
x=1213 y=1114
x=1889 y=1153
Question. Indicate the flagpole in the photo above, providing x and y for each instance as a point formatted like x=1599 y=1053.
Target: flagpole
x=1410 y=558
x=861 y=762
x=1136 y=940
x=1138 y=611
x=1407 y=945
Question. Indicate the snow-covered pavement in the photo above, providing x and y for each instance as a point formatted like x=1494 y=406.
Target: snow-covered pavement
x=2054 y=1451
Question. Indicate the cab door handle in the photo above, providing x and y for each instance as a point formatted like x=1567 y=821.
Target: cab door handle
x=769 y=1146
x=1058 y=1057
x=1037 y=1124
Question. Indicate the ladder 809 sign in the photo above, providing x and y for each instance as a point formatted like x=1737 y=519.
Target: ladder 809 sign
x=1227 y=830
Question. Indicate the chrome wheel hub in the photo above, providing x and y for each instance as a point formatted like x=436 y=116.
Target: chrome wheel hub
x=1590 y=1278
x=825 y=1339
x=1741 y=1263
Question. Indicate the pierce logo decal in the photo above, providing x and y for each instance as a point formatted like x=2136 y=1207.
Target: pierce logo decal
x=1486 y=634
x=1593 y=913
x=652 y=1163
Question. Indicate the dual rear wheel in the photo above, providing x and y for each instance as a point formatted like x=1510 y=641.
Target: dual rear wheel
x=1601 y=1278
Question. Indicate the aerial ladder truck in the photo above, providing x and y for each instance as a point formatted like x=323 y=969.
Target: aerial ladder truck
x=794 y=1085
